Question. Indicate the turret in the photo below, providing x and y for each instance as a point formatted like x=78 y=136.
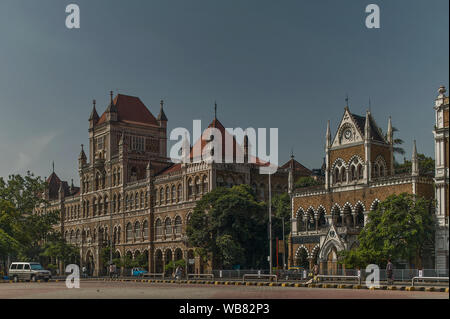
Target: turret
x=93 y=119
x=327 y=156
x=367 y=138
x=111 y=111
x=82 y=158
x=390 y=132
x=414 y=161
x=162 y=118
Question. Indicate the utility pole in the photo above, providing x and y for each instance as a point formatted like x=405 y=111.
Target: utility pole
x=270 y=226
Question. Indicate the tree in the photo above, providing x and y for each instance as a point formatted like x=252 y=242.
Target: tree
x=230 y=225
x=397 y=141
x=67 y=253
x=23 y=231
x=306 y=181
x=426 y=165
x=400 y=228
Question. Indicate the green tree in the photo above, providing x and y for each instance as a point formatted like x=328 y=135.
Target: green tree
x=67 y=253
x=24 y=232
x=426 y=165
x=400 y=228
x=306 y=181
x=230 y=225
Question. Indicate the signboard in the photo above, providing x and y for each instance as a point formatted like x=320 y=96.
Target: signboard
x=220 y=274
x=305 y=239
x=191 y=261
x=420 y=273
x=359 y=273
x=304 y=274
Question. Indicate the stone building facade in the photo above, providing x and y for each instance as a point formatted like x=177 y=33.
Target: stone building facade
x=131 y=193
x=441 y=135
x=359 y=174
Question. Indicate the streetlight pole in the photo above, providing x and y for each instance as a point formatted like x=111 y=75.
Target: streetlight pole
x=270 y=226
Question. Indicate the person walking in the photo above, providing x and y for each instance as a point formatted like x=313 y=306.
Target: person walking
x=390 y=272
x=316 y=272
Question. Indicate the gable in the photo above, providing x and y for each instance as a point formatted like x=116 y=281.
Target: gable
x=348 y=131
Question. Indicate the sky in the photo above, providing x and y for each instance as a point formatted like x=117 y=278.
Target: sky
x=286 y=64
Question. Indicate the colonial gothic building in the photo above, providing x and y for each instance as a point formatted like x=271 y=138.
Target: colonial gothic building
x=441 y=178
x=131 y=193
x=359 y=173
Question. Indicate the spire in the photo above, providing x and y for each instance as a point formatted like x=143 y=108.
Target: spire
x=162 y=116
x=53 y=166
x=328 y=135
x=414 y=161
x=111 y=107
x=82 y=154
x=390 y=132
x=346 y=101
x=94 y=115
x=291 y=174
x=215 y=110
x=367 y=126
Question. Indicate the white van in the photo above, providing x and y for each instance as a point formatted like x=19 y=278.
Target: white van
x=31 y=271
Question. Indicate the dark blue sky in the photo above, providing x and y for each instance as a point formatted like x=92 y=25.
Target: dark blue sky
x=286 y=64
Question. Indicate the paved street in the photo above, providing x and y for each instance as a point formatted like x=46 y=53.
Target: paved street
x=139 y=290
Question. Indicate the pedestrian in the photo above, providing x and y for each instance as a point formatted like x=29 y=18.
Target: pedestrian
x=84 y=270
x=316 y=271
x=390 y=272
x=178 y=273
x=111 y=270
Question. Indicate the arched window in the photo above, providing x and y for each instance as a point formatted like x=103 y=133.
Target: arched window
x=343 y=174
x=190 y=188
x=114 y=207
x=178 y=223
x=159 y=227
x=119 y=200
x=197 y=185
x=136 y=200
x=174 y=194
x=95 y=206
x=168 y=226
x=161 y=196
x=360 y=172
x=145 y=229
x=142 y=200
x=167 y=194
x=180 y=193
x=126 y=202
x=106 y=205
x=205 y=184
x=137 y=231
x=129 y=232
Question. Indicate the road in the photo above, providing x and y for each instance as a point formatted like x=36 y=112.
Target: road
x=140 y=290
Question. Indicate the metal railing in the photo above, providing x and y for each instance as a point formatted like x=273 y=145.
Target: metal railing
x=417 y=278
x=153 y=275
x=260 y=276
x=198 y=276
x=340 y=277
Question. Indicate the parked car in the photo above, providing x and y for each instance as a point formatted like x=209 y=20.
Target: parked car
x=138 y=272
x=31 y=271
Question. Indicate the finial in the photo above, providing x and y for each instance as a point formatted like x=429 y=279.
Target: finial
x=292 y=153
x=442 y=90
x=94 y=102
x=111 y=93
x=53 y=166
x=370 y=105
x=346 y=100
x=161 y=103
x=82 y=147
x=215 y=109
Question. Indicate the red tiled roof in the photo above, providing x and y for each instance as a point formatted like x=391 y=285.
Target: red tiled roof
x=171 y=169
x=131 y=109
x=298 y=168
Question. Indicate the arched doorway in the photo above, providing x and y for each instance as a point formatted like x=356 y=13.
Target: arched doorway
x=191 y=266
x=301 y=258
x=90 y=264
x=159 y=267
